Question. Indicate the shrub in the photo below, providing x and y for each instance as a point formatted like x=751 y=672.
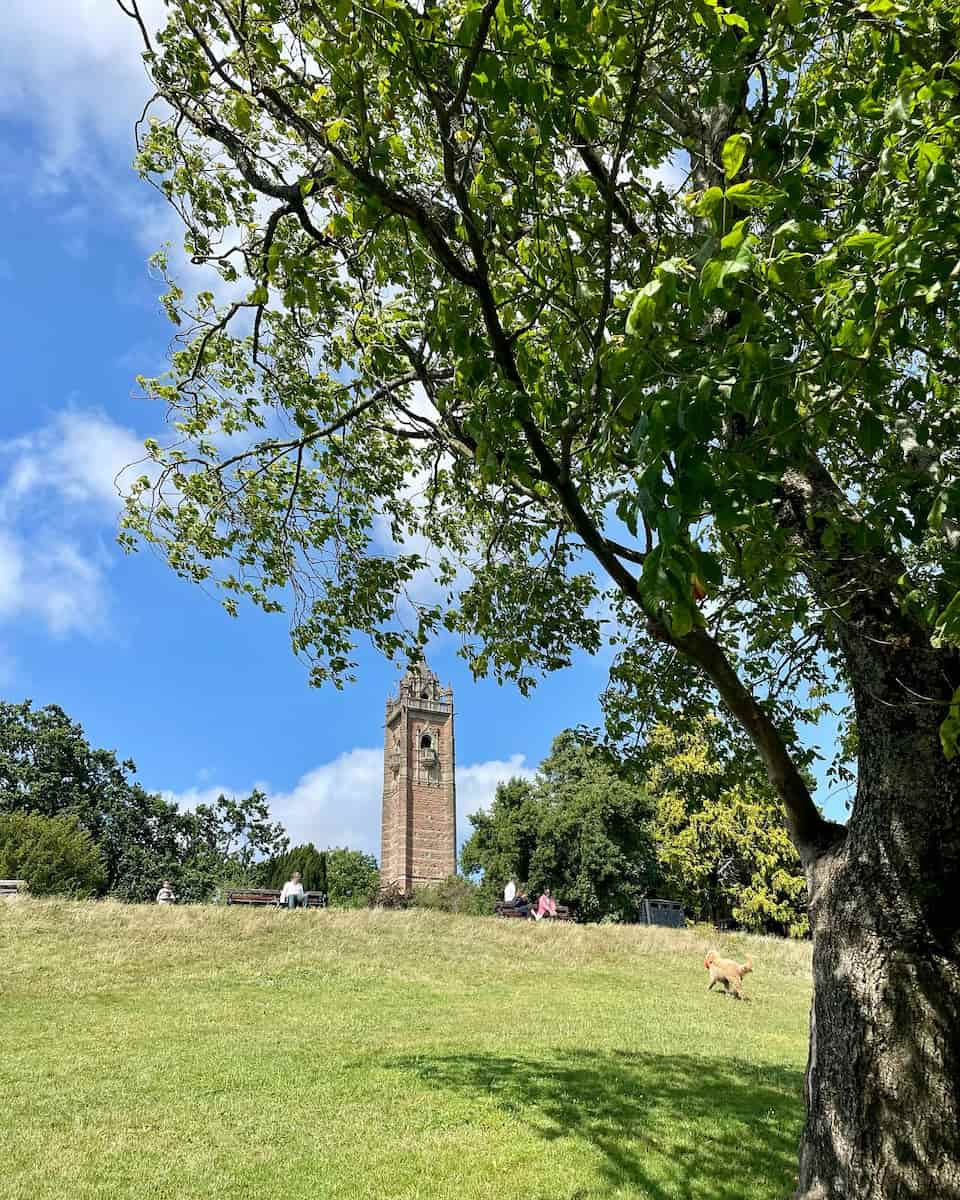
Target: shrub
x=453 y=894
x=53 y=854
x=390 y=895
x=353 y=877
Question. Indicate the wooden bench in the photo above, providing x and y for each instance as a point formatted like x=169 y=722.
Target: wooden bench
x=502 y=909
x=10 y=887
x=271 y=896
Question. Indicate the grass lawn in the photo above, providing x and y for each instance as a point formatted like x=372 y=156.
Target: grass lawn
x=261 y=1055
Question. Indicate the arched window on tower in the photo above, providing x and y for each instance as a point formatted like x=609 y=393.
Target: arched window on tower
x=429 y=759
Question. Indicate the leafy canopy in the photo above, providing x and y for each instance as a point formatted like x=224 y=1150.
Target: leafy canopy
x=551 y=300
x=580 y=828
x=722 y=846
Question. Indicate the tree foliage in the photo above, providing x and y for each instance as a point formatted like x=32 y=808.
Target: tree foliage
x=49 y=769
x=595 y=347
x=307 y=859
x=347 y=878
x=54 y=855
x=352 y=877
x=722 y=844
x=580 y=828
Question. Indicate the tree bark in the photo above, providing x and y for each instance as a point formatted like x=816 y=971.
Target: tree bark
x=883 y=1075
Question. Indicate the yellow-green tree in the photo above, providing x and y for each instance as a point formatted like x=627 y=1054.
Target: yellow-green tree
x=722 y=844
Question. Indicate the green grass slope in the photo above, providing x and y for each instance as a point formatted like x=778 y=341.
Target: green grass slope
x=261 y=1055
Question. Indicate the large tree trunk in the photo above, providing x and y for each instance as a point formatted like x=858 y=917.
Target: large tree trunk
x=883 y=1077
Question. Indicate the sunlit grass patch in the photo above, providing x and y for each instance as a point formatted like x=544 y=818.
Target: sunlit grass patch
x=209 y=1052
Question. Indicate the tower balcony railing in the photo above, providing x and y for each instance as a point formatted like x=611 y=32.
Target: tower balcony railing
x=437 y=706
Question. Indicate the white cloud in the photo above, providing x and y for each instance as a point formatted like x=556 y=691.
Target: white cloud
x=477 y=784
x=76 y=77
x=58 y=496
x=54 y=582
x=338 y=803
x=75 y=458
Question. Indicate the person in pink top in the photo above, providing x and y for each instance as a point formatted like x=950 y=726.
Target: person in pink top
x=547 y=906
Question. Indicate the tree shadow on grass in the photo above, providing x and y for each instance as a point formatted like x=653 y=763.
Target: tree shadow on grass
x=666 y=1127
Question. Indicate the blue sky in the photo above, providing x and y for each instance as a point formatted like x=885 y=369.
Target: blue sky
x=152 y=665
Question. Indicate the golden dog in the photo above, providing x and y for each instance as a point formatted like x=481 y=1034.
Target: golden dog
x=727 y=972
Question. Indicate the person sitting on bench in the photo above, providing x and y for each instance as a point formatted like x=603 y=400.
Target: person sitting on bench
x=547 y=907
x=292 y=895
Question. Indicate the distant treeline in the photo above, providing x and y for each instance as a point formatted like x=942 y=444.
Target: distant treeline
x=74 y=820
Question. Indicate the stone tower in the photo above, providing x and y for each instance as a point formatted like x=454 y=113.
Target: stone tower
x=419 y=833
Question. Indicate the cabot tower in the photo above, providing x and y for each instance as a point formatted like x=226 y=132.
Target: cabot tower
x=419 y=834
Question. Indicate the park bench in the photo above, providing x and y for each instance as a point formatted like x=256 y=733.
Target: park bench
x=10 y=887
x=271 y=896
x=502 y=909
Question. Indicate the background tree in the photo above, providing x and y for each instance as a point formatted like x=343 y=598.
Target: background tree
x=53 y=854
x=721 y=841
x=307 y=859
x=352 y=877
x=580 y=829
x=49 y=769
x=503 y=840
x=456 y=256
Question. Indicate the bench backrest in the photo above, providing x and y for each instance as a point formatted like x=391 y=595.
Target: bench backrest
x=269 y=896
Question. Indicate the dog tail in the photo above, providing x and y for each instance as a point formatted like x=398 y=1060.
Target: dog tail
x=747 y=967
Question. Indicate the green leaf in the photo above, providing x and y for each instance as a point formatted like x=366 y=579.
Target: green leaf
x=937 y=512
x=243 y=113
x=886 y=10
x=734 y=152
x=869 y=241
x=950 y=729
x=644 y=309
x=705 y=204
x=735 y=238
x=947 y=630
x=754 y=193
x=794 y=11
x=681 y=620
x=871 y=433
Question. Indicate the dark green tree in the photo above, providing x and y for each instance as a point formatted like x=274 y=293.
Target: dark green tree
x=636 y=297
x=503 y=840
x=307 y=859
x=47 y=767
x=580 y=828
x=54 y=855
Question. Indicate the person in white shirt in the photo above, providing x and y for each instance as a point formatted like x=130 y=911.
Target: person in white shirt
x=292 y=894
x=166 y=893
x=510 y=892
